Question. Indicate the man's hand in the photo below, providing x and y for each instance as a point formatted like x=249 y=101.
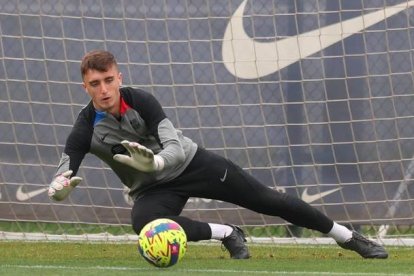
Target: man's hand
x=62 y=185
x=142 y=158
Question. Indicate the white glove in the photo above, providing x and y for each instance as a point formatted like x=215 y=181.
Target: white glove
x=142 y=158
x=62 y=185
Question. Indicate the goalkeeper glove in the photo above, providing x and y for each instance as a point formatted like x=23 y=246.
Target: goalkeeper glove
x=142 y=158
x=62 y=185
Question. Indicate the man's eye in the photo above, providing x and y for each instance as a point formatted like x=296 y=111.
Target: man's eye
x=109 y=80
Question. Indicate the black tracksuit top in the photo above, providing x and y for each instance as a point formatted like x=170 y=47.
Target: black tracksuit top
x=142 y=120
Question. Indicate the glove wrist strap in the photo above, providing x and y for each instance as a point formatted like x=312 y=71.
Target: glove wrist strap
x=159 y=162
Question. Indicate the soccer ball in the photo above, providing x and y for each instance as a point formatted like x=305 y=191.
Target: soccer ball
x=162 y=242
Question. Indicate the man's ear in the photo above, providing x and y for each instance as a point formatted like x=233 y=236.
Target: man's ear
x=84 y=87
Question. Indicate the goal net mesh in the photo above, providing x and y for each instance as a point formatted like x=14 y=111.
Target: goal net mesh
x=313 y=98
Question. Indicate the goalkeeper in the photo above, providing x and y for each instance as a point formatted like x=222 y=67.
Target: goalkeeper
x=128 y=129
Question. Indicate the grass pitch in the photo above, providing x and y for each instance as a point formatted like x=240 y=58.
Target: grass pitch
x=54 y=258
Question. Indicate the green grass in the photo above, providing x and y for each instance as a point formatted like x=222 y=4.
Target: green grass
x=64 y=258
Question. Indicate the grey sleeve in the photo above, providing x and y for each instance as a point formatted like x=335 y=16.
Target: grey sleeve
x=63 y=164
x=173 y=151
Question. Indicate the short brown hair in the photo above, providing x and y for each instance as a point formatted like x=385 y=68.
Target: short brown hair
x=99 y=60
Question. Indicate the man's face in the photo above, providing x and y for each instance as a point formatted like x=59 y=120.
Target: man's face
x=103 y=88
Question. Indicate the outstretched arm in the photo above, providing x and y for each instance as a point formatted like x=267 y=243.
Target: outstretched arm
x=77 y=145
x=160 y=127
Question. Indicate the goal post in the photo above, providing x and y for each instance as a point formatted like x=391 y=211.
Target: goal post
x=314 y=98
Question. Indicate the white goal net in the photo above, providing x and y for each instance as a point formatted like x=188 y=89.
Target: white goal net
x=314 y=98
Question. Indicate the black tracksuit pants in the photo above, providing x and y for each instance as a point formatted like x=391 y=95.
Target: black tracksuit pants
x=211 y=176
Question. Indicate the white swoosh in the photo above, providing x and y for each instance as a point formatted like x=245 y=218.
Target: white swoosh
x=22 y=196
x=311 y=198
x=224 y=176
x=249 y=59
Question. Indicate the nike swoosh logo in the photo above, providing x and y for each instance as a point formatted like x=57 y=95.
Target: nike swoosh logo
x=22 y=196
x=224 y=176
x=311 y=198
x=249 y=59
x=104 y=136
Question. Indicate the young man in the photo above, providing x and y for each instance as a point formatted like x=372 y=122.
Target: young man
x=128 y=129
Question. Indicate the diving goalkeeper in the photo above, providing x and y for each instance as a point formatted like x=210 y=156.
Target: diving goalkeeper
x=128 y=129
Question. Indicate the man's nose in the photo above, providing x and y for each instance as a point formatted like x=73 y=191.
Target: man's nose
x=103 y=88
